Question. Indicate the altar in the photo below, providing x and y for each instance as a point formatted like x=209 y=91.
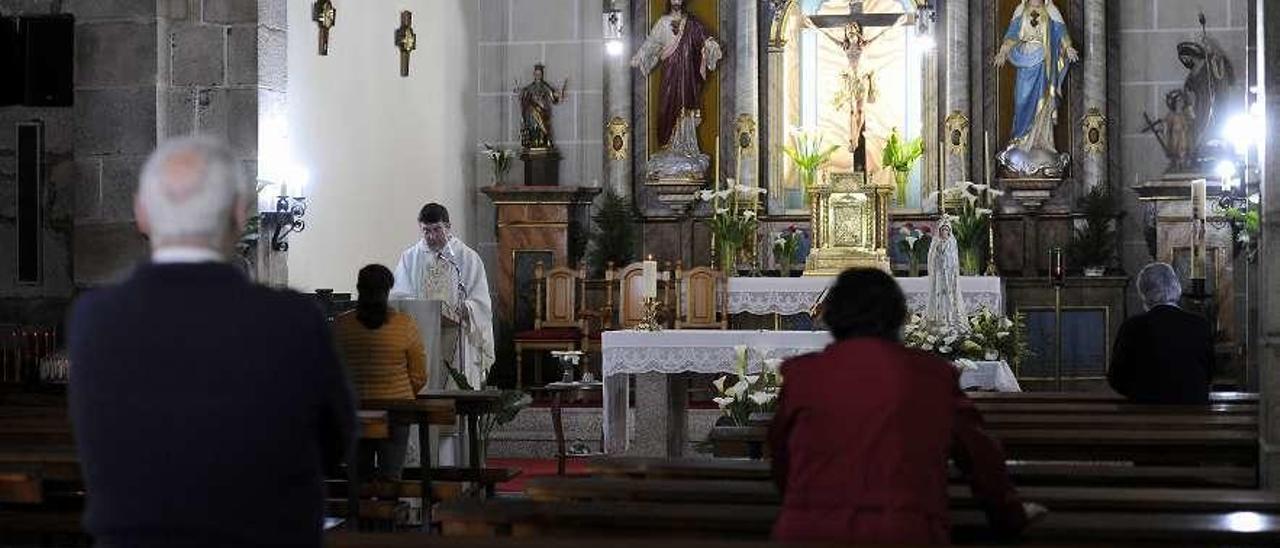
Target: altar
x=786 y=296
x=657 y=358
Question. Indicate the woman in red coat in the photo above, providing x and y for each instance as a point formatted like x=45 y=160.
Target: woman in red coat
x=864 y=429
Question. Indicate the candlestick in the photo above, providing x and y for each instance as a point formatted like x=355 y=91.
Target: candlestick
x=715 y=170
x=650 y=278
x=942 y=172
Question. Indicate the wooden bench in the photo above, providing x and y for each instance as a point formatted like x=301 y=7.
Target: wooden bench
x=1093 y=428
x=523 y=518
x=548 y=489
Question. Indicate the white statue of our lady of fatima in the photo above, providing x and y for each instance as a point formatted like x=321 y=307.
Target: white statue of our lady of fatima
x=946 y=305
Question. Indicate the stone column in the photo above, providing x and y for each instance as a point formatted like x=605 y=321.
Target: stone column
x=956 y=87
x=1269 y=305
x=1093 y=59
x=747 y=89
x=617 y=105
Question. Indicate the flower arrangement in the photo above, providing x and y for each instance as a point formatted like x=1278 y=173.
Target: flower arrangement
x=733 y=220
x=987 y=336
x=499 y=162
x=742 y=394
x=809 y=154
x=1246 y=226
x=901 y=156
x=915 y=245
x=785 y=245
x=974 y=205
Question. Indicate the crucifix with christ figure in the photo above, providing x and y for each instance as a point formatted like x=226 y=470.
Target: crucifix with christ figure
x=858 y=88
x=406 y=40
x=325 y=17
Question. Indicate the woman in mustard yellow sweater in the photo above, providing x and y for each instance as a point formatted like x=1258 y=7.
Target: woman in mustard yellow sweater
x=385 y=360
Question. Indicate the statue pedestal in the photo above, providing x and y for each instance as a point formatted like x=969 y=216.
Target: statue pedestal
x=541 y=166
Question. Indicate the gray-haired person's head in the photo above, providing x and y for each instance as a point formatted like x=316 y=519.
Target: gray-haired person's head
x=1158 y=284
x=192 y=193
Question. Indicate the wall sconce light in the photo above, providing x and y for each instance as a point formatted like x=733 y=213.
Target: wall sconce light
x=287 y=219
x=614 y=31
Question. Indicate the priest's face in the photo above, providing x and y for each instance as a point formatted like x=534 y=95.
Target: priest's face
x=435 y=235
x=677 y=6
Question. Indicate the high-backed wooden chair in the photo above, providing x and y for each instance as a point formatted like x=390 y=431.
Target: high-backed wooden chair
x=598 y=315
x=556 y=325
x=701 y=298
x=631 y=294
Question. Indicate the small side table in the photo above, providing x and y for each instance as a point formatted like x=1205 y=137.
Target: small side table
x=558 y=391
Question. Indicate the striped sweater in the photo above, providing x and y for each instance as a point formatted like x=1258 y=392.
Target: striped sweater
x=384 y=363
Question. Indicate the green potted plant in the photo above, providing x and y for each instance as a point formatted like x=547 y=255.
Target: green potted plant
x=1093 y=245
x=733 y=221
x=613 y=239
x=499 y=163
x=809 y=154
x=901 y=156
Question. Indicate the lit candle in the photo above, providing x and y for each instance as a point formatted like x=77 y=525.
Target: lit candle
x=715 y=171
x=986 y=158
x=650 y=278
x=1057 y=271
x=1198 y=216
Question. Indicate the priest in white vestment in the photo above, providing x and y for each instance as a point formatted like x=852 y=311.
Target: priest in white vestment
x=440 y=267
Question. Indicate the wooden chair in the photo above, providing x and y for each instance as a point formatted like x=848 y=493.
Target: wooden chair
x=631 y=294
x=701 y=300
x=599 y=317
x=556 y=324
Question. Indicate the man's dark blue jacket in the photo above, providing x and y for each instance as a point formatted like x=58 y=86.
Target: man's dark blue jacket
x=206 y=409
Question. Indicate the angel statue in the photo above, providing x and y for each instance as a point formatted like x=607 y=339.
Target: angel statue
x=946 y=305
x=1040 y=50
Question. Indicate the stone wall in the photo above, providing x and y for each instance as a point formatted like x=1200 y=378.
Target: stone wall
x=1149 y=31
x=513 y=36
x=144 y=70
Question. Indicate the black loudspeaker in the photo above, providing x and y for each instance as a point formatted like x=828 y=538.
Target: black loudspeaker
x=30 y=185
x=48 y=59
x=11 y=80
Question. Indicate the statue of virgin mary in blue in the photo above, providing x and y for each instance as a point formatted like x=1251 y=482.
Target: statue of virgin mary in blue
x=1037 y=45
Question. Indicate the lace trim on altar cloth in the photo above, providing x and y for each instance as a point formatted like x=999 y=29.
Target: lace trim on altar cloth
x=634 y=359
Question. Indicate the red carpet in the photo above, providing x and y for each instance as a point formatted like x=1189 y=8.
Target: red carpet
x=532 y=468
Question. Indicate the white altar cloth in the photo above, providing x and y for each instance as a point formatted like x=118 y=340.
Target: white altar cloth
x=797 y=295
x=713 y=351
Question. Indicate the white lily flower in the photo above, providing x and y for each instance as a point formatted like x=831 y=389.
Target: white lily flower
x=944 y=349
x=724 y=193
x=705 y=195
x=738 y=389
x=723 y=402
x=982 y=211
x=1006 y=323
x=979 y=187
x=994 y=193
x=752 y=379
x=721 y=210
x=1002 y=334
x=719 y=383
x=761 y=398
x=748 y=214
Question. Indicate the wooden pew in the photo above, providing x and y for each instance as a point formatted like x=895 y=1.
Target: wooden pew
x=523 y=518
x=1057 y=498
x=1023 y=473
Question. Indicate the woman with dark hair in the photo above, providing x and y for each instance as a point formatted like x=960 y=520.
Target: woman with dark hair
x=864 y=428
x=386 y=361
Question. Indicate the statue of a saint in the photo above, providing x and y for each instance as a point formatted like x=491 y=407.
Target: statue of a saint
x=946 y=304
x=536 y=100
x=687 y=52
x=1205 y=95
x=1037 y=45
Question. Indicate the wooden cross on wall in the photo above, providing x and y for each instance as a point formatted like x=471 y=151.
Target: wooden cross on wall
x=325 y=16
x=406 y=40
x=867 y=20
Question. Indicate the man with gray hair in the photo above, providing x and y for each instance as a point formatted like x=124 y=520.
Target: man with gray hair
x=206 y=408
x=1164 y=355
